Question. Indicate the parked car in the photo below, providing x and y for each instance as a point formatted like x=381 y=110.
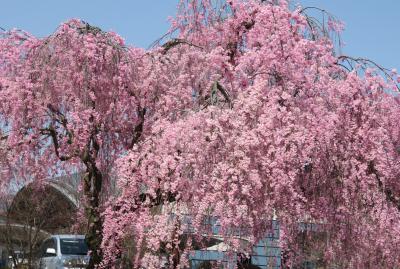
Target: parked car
x=20 y=259
x=64 y=251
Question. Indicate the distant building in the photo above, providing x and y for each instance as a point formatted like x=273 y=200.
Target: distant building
x=266 y=254
x=35 y=212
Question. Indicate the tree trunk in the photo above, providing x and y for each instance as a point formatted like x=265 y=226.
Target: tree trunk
x=92 y=190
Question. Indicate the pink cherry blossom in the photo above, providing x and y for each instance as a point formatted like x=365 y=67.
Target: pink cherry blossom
x=246 y=116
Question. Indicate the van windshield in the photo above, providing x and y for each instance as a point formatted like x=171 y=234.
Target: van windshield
x=73 y=246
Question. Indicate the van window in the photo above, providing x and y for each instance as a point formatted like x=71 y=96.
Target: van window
x=73 y=246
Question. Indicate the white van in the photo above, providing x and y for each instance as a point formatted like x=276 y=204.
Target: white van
x=64 y=251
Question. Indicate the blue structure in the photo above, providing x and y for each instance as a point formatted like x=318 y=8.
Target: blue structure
x=266 y=253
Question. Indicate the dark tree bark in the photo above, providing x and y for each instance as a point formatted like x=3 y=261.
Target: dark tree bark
x=92 y=187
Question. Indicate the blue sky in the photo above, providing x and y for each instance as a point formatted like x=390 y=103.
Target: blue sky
x=372 y=27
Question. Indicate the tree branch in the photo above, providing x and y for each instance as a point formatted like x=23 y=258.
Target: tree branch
x=389 y=194
x=176 y=41
x=365 y=63
x=50 y=131
x=137 y=131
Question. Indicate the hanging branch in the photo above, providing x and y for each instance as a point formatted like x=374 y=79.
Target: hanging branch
x=177 y=41
x=318 y=26
x=365 y=63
